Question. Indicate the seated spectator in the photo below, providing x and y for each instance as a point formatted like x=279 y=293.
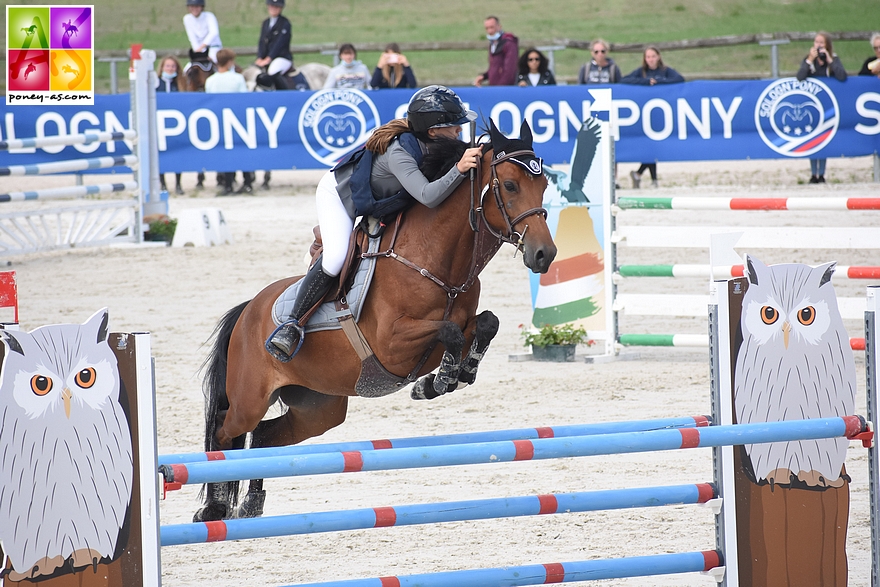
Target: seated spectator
x=652 y=72
x=393 y=70
x=350 y=73
x=273 y=48
x=227 y=80
x=871 y=66
x=533 y=69
x=169 y=68
x=601 y=69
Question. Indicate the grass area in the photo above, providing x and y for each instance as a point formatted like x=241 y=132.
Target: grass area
x=157 y=25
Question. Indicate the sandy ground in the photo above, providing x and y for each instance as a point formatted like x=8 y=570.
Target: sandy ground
x=179 y=294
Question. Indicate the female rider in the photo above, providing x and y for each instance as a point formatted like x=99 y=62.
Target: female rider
x=434 y=112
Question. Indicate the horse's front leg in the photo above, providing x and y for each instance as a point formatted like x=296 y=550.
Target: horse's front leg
x=446 y=379
x=487 y=328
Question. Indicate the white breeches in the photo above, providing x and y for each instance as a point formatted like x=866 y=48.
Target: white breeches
x=279 y=65
x=336 y=224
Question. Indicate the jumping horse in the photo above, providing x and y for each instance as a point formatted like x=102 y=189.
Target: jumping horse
x=420 y=314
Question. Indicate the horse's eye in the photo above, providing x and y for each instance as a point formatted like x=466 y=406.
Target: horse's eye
x=510 y=186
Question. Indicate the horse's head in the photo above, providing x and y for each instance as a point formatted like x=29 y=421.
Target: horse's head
x=516 y=180
x=196 y=74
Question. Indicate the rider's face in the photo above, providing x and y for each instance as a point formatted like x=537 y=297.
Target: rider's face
x=274 y=11
x=447 y=132
x=195 y=10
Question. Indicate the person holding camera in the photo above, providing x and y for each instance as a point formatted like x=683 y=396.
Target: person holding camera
x=821 y=61
x=393 y=70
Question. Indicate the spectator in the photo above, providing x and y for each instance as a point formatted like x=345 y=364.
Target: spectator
x=393 y=70
x=503 y=49
x=601 y=69
x=821 y=61
x=871 y=66
x=169 y=67
x=533 y=69
x=202 y=29
x=227 y=80
x=350 y=73
x=273 y=50
x=652 y=72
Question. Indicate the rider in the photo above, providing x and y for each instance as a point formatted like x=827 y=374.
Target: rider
x=273 y=50
x=434 y=112
x=202 y=29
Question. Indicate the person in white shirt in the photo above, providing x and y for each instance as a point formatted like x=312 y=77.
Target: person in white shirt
x=202 y=29
x=227 y=81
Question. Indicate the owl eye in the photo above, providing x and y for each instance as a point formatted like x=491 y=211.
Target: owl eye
x=769 y=314
x=806 y=315
x=41 y=385
x=85 y=378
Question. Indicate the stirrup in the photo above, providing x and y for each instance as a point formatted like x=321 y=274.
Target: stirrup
x=278 y=353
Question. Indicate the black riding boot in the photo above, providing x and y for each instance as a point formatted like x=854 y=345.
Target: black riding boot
x=288 y=337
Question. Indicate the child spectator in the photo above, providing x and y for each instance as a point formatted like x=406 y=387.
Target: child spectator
x=393 y=70
x=169 y=68
x=601 y=69
x=227 y=80
x=533 y=69
x=350 y=73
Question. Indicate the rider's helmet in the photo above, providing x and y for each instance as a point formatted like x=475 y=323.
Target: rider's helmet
x=195 y=2
x=437 y=106
x=275 y=3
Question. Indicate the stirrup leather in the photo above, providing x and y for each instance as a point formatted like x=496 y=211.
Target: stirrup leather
x=290 y=325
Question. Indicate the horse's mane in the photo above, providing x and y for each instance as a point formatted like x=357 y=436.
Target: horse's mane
x=442 y=154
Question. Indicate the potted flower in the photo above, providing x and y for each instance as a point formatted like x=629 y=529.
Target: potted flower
x=555 y=342
x=161 y=229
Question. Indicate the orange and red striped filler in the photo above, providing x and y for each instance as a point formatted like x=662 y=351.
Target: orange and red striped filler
x=567 y=572
x=516 y=450
x=711 y=203
x=434 y=513
x=442 y=439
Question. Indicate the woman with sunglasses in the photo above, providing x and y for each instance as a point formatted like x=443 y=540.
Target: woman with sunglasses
x=601 y=69
x=533 y=69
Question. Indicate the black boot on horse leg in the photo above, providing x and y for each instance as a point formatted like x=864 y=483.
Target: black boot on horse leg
x=284 y=343
x=446 y=379
x=220 y=498
x=487 y=328
x=252 y=504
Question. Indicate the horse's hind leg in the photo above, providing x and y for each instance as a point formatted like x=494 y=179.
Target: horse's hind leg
x=309 y=414
x=446 y=380
x=487 y=328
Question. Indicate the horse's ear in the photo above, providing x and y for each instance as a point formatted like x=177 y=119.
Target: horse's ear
x=499 y=141
x=525 y=133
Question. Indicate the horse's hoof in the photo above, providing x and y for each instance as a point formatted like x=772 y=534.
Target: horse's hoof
x=424 y=388
x=212 y=512
x=252 y=505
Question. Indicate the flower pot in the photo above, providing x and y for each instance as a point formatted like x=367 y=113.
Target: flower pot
x=559 y=353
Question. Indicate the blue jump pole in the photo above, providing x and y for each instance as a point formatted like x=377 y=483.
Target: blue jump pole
x=517 y=450
x=441 y=440
x=593 y=570
x=433 y=513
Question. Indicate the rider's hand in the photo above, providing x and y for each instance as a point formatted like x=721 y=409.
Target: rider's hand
x=469 y=159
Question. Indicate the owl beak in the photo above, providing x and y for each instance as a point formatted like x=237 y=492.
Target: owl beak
x=786 y=331
x=66 y=395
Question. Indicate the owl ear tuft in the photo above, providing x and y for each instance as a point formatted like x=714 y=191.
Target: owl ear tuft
x=12 y=343
x=750 y=269
x=100 y=321
x=827 y=273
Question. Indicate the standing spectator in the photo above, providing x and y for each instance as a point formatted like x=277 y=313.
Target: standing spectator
x=651 y=73
x=871 y=66
x=821 y=61
x=227 y=80
x=350 y=73
x=393 y=70
x=169 y=68
x=601 y=69
x=273 y=49
x=533 y=69
x=503 y=49
x=202 y=29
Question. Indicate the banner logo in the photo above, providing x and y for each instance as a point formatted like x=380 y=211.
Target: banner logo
x=50 y=55
x=333 y=123
x=797 y=118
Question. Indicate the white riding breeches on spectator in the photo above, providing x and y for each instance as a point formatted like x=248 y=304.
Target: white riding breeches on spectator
x=279 y=65
x=336 y=225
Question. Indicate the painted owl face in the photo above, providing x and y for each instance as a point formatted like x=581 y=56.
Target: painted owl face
x=788 y=304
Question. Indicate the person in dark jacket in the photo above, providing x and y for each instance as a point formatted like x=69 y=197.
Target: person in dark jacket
x=503 y=51
x=821 y=61
x=652 y=72
x=601 y=69
x=169 y=69
x=871 y=66
x=393 y=70
x=534 y=70
x=273 y=50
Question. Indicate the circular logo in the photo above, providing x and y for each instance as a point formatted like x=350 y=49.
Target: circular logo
x=333 y=123
x=797 y=118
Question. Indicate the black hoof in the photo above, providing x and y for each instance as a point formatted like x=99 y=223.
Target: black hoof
x=252 y=505
x=212 y=512
x=424 y=388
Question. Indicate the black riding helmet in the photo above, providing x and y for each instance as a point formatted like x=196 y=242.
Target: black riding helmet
x=437 y=106
x=195 y=2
